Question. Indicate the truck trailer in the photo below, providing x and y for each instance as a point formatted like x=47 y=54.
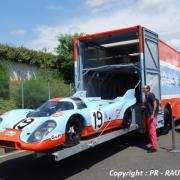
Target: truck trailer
x=107 y=64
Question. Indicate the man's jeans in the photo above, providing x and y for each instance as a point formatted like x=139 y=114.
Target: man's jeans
x=152 y=131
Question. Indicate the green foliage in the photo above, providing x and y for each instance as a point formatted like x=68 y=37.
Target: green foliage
x=4 y=81
x=36 y=90
x=24 y=55
x=65 y=55
x=7 y=105
x=59 y=89
x=35 y=93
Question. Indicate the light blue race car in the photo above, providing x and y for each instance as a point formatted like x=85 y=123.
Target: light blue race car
x=64 y=121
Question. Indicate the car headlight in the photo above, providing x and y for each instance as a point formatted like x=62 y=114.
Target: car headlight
x=42 y=131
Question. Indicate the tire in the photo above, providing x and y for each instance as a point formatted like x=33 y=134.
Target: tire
x=167 y=122
x=73 y=132
x=127 y=119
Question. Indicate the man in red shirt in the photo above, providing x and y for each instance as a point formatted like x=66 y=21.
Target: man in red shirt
x=151 y=107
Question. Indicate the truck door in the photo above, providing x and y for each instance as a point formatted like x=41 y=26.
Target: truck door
x=152 y=67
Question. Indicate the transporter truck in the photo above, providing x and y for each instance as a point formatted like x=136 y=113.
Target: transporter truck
x=108 y=64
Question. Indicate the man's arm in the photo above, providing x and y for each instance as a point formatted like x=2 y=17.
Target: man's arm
x=154 y=107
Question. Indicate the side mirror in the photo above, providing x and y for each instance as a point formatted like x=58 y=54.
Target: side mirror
x=28 y=114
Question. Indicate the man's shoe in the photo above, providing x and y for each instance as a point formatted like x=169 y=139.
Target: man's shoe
x=152 y=150
x=148 y=148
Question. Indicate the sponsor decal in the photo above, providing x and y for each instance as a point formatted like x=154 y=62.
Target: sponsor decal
x=105 y=115
x=56 y=137
x=81 y=94
x=170 y=79
x=117 y=112
x=10 y=133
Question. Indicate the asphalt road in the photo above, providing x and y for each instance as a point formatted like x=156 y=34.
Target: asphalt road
x=126 y=154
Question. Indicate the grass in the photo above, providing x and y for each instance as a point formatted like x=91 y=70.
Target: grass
x=6 y=105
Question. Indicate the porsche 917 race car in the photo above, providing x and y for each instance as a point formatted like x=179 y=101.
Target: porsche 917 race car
x=64 y=121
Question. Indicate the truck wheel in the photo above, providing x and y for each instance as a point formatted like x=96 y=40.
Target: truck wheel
x=127 y=119
x=167 y=122
x=73 y=132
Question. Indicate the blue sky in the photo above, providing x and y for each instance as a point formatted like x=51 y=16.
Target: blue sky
x=37 y=24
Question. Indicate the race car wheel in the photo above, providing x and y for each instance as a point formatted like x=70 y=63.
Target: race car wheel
x=127 y=119
x=73 y=132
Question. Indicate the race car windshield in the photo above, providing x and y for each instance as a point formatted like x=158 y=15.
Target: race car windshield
x=80 y=104
x=51 y=107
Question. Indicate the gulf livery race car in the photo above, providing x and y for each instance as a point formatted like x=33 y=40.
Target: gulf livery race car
x=64 y=121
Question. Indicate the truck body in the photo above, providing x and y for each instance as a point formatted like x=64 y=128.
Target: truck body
x=107 y=64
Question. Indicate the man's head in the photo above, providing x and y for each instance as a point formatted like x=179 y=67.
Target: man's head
x=146 y=88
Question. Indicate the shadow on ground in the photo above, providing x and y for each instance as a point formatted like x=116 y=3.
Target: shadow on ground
x=28 y=168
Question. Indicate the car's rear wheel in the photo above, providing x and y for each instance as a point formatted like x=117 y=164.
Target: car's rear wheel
x=73 y=131
x=127 y=119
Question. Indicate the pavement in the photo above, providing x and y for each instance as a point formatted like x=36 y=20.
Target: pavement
x=122 y=158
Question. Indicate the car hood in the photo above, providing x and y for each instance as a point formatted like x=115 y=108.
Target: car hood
x=11 y=117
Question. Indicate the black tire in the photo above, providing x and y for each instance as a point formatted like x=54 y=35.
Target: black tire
x=167 y=122
x=127 y=119
x=73 y=132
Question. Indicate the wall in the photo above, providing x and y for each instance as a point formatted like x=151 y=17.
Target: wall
x=19 y=71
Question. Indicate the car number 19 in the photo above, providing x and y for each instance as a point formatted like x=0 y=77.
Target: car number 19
x=97 y=119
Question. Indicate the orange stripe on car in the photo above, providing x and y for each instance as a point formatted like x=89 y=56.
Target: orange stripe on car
x=88 y=130
x=14 y=142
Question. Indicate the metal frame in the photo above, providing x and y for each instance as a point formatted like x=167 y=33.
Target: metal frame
x=150 y=36
x=87 y=144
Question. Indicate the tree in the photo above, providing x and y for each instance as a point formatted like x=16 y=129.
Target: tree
x=28 y=56
x=65 y=55
x=4 y=81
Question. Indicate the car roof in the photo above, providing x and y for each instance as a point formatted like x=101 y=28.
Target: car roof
x=62 y=99
x=56 y=99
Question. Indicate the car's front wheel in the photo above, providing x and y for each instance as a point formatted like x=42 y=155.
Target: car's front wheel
x=73 y=132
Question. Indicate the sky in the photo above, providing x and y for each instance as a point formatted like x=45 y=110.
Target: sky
x=37 y=24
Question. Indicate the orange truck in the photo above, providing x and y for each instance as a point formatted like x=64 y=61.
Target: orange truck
x=105 y=67
x=107 y=64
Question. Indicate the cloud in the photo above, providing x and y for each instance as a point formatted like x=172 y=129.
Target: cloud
x=46 y=38
x=104 y=6
x=161 y=16
x=175 y=43
x=96 y=3
x=18 y=32
x=55 y=8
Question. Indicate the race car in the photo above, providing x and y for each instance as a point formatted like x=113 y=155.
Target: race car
x=64 y=121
